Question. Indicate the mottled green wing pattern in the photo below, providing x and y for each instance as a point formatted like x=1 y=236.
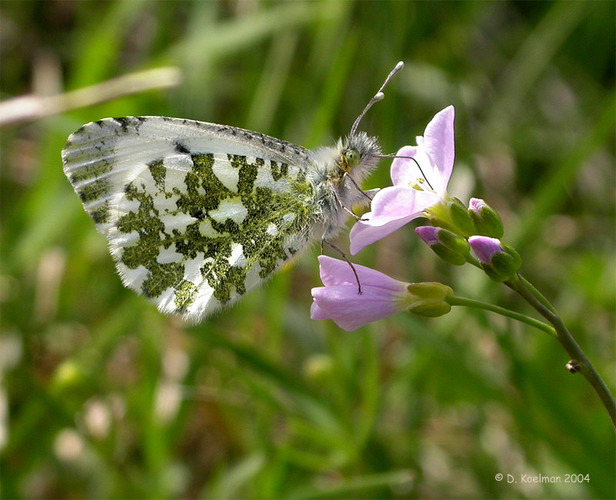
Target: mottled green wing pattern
x=194 y=217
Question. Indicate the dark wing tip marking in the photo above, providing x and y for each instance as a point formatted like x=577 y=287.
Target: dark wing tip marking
x=180 y=148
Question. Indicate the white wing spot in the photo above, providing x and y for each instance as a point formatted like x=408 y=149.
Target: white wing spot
x=206 y=229
x=133 y=278
x=166 y=301
x=237 y=257
x=293 y=171
x=225 y=173
x=145 y=181
x=119 y=239
x=230 y=208
x=178 y=163
x=192 y=268
x=204 y=301
x=264 y=179
x=176 y=221
x=272 y=230
x=164 y=204
x=125 y=205
x=168 y=255
x=175 y=178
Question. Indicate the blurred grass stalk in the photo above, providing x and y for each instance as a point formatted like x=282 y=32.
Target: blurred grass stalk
x=34 y=107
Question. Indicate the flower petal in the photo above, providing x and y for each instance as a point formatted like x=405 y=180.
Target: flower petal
x=393 y=207
x=335 y=272
x=362 y=234
x=485 y=248
x=476 y=204
x=400 y=202
x=350 y=310
x=316 y=312
x=440 y=146
x=403 y=169
x=428 y=234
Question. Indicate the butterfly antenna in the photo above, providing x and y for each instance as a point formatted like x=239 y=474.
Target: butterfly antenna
x=416 y=163
x=377 y=97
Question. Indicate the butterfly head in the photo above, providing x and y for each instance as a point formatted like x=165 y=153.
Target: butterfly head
x=358 y=153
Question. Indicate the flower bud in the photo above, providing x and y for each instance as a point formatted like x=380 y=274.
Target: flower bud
x=499 y=261
x=486 y=220
x=438 y=215
x=430 y=308
x=460 y=217
x=429 y=299
x=447 y=245
x=453 y=216
x=430 y=290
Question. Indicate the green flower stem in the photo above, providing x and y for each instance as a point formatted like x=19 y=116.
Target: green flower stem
x=537 y=293
x=519 y=285
x=477 y=304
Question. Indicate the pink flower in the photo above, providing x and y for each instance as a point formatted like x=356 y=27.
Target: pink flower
x=485 y=248
x=499 y=261
x=428 y=234
x=476 y=205
x=340 y=301
x=486 y=220
x=415 y=189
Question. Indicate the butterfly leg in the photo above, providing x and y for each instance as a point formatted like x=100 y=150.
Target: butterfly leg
x=342 y=254
x=342 y=205
x=346 y=174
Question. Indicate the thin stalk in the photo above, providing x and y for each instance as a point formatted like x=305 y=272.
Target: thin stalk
x=35 y=107
x=477 y=304
x=537 y=294
x=568 y=342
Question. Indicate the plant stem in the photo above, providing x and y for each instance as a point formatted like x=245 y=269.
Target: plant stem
x=455 y=300
x=537 y=294
x=34 y=107
x=521 y=286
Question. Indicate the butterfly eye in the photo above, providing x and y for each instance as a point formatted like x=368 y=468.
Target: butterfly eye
x=352 y=157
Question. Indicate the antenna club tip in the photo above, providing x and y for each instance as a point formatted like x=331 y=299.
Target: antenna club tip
x=378 y=97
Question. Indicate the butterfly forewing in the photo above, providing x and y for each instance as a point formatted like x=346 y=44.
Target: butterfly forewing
x=196 y=214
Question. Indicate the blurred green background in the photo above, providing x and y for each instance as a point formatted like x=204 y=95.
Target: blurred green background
x=104 y=397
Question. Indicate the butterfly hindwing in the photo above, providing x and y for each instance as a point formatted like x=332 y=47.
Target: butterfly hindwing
x=196 y=214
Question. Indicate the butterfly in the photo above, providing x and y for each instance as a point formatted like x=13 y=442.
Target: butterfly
x=196 y=214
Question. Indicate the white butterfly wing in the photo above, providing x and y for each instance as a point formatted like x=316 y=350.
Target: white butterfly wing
x=195 y=213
